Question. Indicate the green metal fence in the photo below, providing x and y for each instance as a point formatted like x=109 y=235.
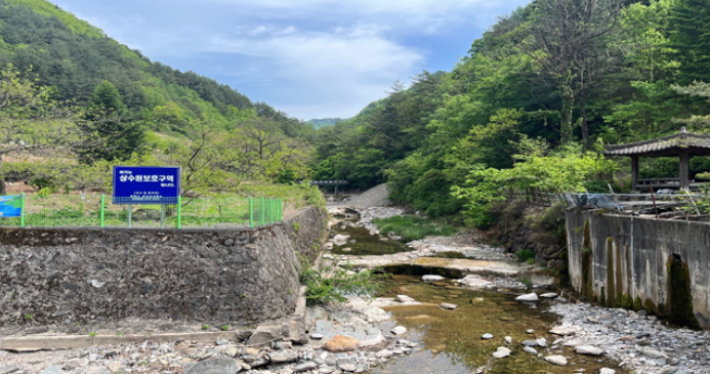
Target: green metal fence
x=98 y=211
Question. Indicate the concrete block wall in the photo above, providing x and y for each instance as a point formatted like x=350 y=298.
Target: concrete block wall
x=630 y=256
x=234 y=277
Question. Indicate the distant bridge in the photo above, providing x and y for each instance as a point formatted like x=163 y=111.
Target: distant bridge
x=330 y=183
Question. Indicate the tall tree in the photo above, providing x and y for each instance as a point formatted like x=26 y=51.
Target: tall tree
x=569 y=42
x=689 y=25
x=107 y=133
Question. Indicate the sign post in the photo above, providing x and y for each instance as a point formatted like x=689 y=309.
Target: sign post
x=146 y=185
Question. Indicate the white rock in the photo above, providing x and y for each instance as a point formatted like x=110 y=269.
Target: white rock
x=473 y=281
x=528 y=297
x=588 y=350
x=556 y=360
x=487 y=337
x=572 y=343
x=550 y=295
x=530 y=331
x=385 y=353
x=404 y=299
x=317 y=336
x=501 y=352
x=341 y=239
x=432 y=278
x=564 y=330
x=508 y=340
x=652 y=353
x=448 y=306
x=530 y=350
x=607 y=371
x=542 y=342
x=399 y=330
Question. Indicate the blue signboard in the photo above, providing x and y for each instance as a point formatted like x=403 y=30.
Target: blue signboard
x=10 y=206
x=146 y=185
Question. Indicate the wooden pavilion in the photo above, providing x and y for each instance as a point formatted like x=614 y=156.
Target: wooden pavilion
x=683 y=145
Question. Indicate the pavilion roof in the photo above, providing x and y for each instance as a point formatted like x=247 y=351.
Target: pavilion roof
x=667 y=146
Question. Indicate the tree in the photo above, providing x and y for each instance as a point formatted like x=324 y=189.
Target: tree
x=30 y=122
x=689 y=25
x=106 y=133
x=569 y=43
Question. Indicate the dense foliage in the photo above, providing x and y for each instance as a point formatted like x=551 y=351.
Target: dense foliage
x=532 y=105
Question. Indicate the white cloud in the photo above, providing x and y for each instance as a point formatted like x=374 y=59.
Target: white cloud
x=311 y=58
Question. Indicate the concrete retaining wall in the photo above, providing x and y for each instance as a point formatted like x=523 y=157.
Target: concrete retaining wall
x=628 y=259
x=68 y=275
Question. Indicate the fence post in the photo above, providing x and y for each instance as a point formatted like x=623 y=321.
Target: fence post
x=261 y=219
x=22 y=210
x=103 y=204
x=179 y=213
x=251 y=212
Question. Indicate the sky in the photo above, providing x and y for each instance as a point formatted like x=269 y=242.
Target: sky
x=309 y=58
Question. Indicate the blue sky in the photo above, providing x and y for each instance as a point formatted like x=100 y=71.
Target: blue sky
x=309 y=58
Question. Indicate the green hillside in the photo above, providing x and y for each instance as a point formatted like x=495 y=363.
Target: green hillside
x=74 y=57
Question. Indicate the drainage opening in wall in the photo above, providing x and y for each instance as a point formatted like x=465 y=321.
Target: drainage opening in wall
x=680 y=300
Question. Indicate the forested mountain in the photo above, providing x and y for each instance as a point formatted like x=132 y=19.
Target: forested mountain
x=74 y=57
x=325 y=122
x=82 y=101
x=532 y=104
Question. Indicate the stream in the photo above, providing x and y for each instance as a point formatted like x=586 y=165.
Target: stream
x=450 y=341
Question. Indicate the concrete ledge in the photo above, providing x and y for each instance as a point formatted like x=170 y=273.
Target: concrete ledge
x=38 y=343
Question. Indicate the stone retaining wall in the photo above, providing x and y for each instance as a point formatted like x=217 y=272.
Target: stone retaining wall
x=235 y=277
x=625 y=261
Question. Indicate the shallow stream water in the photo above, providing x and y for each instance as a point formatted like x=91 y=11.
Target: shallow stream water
x=450 y=341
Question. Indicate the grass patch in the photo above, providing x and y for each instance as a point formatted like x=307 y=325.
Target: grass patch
x=526 y=255
x=413 y=228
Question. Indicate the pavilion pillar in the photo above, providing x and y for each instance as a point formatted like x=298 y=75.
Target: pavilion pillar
x=684 y=172
x=634 y=173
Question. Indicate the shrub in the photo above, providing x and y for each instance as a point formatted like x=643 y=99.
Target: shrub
x=412 y=227
x=332 y=283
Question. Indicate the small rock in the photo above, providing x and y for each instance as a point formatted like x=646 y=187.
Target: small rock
x=283 y=356
x=326 y=370
x=542 y=342
x=432 y=278
x=556 y=360
x=652 y=353
x=530 y=331
x=399 y=330
x=341 y=343
x=347 y=365
x=448 y=306
x=550 y=295
x=385 y=353
x=347 y=249
x=404 y=299
x=508 y=340
x=487 y=337
x=528 y=297
x=530 y=343
x=305 y=366
x=501 y=352
x=607 y=371
x=588 y=350
x=9 y=369
x=530 y=350
x=215 y=366
x=316 y=336
x=230 y=351
x=54 y=369
x=477 y=300
x=222 y=342
x=564 y=330
x=341 y=239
